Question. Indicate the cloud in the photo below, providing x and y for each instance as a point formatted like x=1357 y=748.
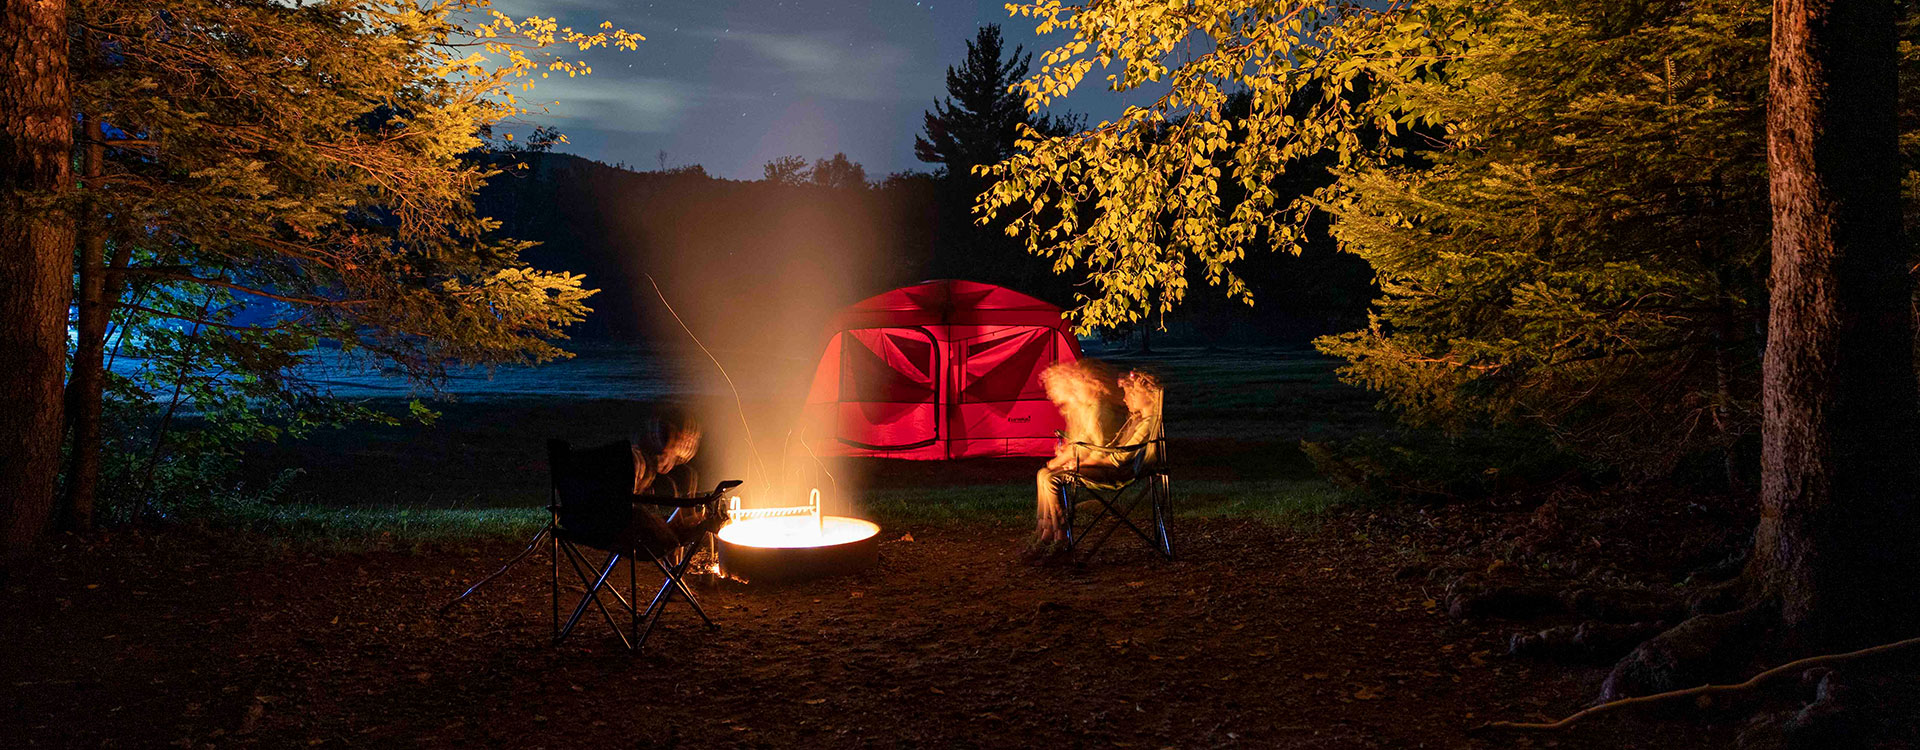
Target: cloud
x=833 y=64
x=623 y=105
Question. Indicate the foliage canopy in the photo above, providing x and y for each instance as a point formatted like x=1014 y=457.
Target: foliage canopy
x=1564 y=201
x=277 y=176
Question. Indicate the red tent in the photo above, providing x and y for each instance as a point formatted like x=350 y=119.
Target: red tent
x=937 y=370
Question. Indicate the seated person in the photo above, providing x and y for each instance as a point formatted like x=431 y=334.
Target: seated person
x=661 y=453
x=1098 y=411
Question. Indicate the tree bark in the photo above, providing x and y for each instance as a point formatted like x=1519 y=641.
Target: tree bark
x=1836 y=544
x=85 y=384
x=36 y=263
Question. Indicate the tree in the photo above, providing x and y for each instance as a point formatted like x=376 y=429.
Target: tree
x=981 y=117
x=326 y=195
x=838 y=172
x=786 y=170
x=1839 y=515
x=1580 y=255
x=1833 y=559
x=1132 y=202
x=36 y=259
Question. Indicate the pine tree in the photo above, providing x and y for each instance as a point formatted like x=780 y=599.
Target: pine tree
x=980 y=119
x=1585 y=254
x=36 y=256
x=1835 y=550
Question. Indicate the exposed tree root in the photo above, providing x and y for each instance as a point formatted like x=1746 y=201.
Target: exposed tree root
x=1703 y=690
x=1699 y=650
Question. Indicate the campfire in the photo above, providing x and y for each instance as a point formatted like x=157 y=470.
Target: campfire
x=794 y=543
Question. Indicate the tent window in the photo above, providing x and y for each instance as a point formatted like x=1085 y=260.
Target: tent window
x=1005 y=366
x=886 y=366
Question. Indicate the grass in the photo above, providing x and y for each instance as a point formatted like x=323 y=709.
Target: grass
x=1236 y=419
x=319 y=523
x=1277 y=500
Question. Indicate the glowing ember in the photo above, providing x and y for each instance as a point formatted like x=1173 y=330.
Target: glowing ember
x=794 y=543
x=802 y=531
x=792 y=527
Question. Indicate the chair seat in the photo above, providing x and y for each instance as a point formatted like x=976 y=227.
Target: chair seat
x=1104 y=477
x=600 y=539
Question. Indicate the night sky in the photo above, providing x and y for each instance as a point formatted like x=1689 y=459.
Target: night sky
x=732 y=85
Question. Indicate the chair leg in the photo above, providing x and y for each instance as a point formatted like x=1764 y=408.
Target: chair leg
x=556 y=586
x=1121 y=517
x=1122 y=512
x=654 y=610
x=1164 y=513
x=592 y=597
x=1069 y=497
x=584 y=571
x=679 y=582
x=531 y=546
x=675 y=571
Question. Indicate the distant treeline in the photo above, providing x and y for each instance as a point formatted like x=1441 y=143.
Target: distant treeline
x=731 y=238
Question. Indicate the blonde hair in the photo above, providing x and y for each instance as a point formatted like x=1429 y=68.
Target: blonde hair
x=1088 y=397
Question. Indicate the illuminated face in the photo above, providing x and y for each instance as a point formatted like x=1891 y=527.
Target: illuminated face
x=1139 y=391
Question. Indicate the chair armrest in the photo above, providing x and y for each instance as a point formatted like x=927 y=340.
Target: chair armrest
x=674 y=502
x=1116 y=449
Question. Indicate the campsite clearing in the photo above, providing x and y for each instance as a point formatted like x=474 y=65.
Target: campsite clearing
x=1260 y=637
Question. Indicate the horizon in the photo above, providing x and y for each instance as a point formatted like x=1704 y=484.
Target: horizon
x=732 y=89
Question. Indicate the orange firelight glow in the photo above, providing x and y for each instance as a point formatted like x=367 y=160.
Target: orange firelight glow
x=793 y=532
x=792 y=527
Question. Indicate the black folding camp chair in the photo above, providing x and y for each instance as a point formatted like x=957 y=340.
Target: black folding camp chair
x=591 y=503
x=1127 y=480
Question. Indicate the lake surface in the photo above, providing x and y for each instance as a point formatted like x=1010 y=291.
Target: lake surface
x=597 y=370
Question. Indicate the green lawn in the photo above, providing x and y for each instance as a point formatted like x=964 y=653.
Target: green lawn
x=1235 y=420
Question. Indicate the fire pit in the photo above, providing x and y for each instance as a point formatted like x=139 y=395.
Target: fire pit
x=782 y=545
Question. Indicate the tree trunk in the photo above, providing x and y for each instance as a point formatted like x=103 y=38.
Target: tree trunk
x=1836 y=545
x=36 y=263
x=84 y=386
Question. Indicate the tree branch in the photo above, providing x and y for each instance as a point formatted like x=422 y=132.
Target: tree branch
x=189 y=278
x=1701 y=690
x=199 y=321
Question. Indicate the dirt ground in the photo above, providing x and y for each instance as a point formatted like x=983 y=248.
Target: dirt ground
x=1260 y=636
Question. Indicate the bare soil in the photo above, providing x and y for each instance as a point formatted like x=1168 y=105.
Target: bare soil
x=1260 y=636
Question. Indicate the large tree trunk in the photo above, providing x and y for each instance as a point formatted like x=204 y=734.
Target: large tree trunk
x=84 y=386
x=1838 y=546
x=36 y=262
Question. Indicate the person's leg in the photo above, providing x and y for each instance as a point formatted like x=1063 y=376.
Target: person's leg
x=647 y=530
x=1049 y=514
x=692 y=521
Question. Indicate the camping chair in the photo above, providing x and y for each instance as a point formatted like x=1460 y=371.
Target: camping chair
x=1129 y=477
x=591 y=503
